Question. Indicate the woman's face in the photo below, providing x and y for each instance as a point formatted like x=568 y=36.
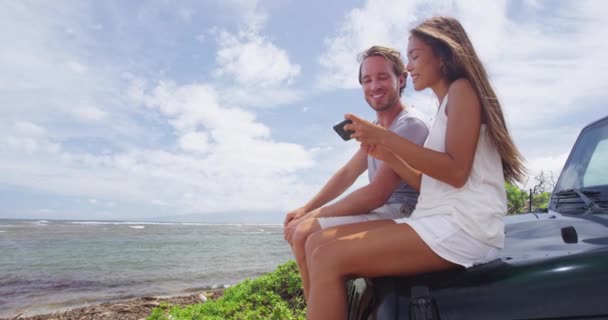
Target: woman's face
x=422 y=64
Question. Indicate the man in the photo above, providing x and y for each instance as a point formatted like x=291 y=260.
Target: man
x=382 y=75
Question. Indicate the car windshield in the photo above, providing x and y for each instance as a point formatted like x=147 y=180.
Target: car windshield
x=583 y=184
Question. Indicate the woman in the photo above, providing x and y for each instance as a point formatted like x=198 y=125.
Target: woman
x=460 y=173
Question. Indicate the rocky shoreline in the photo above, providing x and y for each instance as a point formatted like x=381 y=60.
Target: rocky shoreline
x=132 y=309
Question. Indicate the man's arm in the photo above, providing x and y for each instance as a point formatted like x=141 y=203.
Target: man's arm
x=334 y=187
x=364 y=199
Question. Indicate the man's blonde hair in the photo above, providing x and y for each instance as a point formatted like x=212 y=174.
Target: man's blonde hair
x=392 y=55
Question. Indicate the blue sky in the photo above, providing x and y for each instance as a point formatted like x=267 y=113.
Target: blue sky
x=143 y=109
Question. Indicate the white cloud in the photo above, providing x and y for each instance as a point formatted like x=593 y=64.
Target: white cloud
x=229 y=160
x=383 y=22
x=197 y=106
x=27 y=128
x=29 y=138
x=194 y=142
x=89 y=113
x=256 y=72
x=254 y=61
x=29 y=145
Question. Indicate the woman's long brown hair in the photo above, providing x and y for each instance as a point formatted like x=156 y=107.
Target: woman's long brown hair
x=450 y=43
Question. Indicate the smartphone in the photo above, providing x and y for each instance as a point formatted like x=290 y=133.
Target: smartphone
x=344 y=134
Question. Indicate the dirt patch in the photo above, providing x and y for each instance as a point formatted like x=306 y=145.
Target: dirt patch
x=133 y=309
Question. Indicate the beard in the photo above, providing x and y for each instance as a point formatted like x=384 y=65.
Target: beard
x=384 y=106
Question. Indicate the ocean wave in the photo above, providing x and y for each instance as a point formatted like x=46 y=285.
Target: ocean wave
x=16 y=223
x=114 y=222
x=9 y=226
x=173 y=223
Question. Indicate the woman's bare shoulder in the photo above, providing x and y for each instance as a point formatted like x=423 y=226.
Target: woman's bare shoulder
x=461 y=86
x=463 y=96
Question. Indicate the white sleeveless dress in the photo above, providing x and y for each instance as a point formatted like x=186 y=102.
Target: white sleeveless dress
x=462 y=225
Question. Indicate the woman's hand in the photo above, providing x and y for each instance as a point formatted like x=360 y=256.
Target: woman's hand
x=379 y=152
x=365 y=131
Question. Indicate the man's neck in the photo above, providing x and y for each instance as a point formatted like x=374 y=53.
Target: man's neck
x=386 y=117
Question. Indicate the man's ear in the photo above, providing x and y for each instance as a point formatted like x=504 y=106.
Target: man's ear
x=402 y=80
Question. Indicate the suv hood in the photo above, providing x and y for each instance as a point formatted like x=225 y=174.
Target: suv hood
x=534 y=236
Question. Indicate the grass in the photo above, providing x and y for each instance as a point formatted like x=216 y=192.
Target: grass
x=276 y=295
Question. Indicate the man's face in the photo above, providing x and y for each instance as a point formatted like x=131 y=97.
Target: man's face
x=380 y=85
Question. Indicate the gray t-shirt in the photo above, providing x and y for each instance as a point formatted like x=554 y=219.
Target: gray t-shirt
x=408 y=124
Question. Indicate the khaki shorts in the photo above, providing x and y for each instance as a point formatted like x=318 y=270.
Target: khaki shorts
x=386 y=212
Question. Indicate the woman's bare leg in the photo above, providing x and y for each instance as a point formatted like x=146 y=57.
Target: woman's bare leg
x=310 y=226
x=394 y=249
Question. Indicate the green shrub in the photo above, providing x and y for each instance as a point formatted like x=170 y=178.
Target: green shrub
x=277 y=296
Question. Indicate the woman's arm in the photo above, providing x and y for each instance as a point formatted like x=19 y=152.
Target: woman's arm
x=452 y=166
x=407 y=173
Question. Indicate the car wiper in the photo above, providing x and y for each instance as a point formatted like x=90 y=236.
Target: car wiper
x=590 y=205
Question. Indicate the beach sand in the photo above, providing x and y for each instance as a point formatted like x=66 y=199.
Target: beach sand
x=132 y=309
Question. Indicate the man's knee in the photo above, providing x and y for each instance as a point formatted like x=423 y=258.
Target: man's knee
x=303 y=232
x=312 y=242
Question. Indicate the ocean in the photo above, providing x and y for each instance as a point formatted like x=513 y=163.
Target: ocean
x=48 y=266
